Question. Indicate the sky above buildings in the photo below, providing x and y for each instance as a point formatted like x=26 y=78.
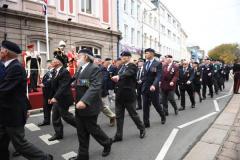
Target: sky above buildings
x=208 y=22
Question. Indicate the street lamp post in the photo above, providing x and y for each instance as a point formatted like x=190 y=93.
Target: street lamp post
x=144 y=12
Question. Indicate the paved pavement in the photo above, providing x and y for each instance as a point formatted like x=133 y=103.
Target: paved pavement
x=169 y=142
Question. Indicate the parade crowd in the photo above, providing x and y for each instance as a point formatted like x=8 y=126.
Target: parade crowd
x=99 y=84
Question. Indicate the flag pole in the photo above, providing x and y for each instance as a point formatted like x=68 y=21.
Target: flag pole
x=46 y=24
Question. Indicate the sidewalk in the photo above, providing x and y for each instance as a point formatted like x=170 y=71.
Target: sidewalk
x=222 y=139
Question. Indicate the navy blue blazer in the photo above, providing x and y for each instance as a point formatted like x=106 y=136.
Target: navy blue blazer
x=188 y=75
x=152 y=76
x=2 y=70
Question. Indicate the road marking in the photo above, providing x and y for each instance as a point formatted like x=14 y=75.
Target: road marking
x=223 y=96
x=32 y=127
x=69 y=155
x=216 y=105
x=196 y=120
x=45 y=138
x=41 y=114
x=167 y=144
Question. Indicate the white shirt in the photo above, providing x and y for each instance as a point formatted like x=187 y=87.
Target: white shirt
x=58 y=69
x=84 y=66
x=8 y=62
x=169 y=66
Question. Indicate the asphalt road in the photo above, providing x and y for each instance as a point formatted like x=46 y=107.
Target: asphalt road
x=169 y=142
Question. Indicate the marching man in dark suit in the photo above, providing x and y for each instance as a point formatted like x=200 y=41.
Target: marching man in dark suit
x=236 y=72
x=207 y=77
x=169 y=80
x=14 y=106
x=150 y=87
x=46 y=89
x=186 y=76
x=139 y=83
x=88 y=85
x=197 y=81
x=61 y=97
x=126 y=96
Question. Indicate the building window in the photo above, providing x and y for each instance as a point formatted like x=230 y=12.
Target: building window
x=155 y=43
x=163 y=29
x=144 y=15
x=174 y=37
x=138 y=11
x=125 y=5
x=145 y=40
x=162 y=12
x=150 y=18
x=174 y=23
x=169 y=18
x=169 y=33
x=62 y=5
x=132 y=35
x=41 y=47
x=132 y=7
x=138 y=38
x=155 y=23
x=150 y=41
x=106 y=11
x=86 y=6
x=126 y=32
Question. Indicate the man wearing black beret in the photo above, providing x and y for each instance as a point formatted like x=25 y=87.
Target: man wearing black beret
x=60 y=97
x=14 y=106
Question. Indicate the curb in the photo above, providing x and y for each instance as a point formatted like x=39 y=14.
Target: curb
x=210 y=144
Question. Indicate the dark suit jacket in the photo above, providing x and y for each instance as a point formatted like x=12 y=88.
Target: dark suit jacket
x=91 y=93
x=197 y=76
x=2 y=70
x=152 y=76
x=205 y=71
x=61 y=88
x=188 y=75
x=126 y=86
x=168 y=76
x=13 y=99
x=112 y=71
x=47 y=85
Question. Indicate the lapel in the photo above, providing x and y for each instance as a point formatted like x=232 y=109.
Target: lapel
x=59 y=73
x=85 y=70
x=13 y=62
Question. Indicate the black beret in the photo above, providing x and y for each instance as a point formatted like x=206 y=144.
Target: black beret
x=61 y=58
x=195 y=63
x=168 y=56
x=150 y=50
x=118 y=59
x=86 y=51
x=108 y=59
x=126 y=53
x=141 y=60
x=158 y=55
x=11 y=46
x=97 y=56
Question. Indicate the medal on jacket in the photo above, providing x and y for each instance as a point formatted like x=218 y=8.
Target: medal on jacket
x=154 y=69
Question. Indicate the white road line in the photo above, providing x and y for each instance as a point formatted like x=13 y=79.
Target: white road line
x=32 y=127
x=223 y=96
x=41 y=114
x=45 y=139
x=69 y=155
x=196 y=120
x=216 y=105
x=167 y=144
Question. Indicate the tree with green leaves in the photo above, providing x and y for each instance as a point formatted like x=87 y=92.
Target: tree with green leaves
x=227 y=53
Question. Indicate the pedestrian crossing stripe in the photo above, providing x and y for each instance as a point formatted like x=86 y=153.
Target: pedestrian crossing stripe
x=32 y=127
x=45 y=138
x=69 y=155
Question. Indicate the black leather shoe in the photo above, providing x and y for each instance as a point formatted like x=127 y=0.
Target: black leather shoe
x=50 y=157
x=193 y=105
x=16 y=154
x=73 y=158
x=55 y=137
x=166 y=114
x=200 y=100
x=138 y=108
x=43 y=124
x=147 y=125
x=163 y=120
x=182 y=108
x=142 y=134
x=203 y=98
x=116 y=139
x=107 y=149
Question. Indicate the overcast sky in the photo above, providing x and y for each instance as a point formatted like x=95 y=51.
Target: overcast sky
x=208 y=22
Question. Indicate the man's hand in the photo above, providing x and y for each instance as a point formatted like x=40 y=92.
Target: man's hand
x=81 y=105
x=28 y=114
x=41 y=85
x=171 y=84
x=152 y=88
x=188 y=82
x=139 y=82
x=209 y=74
x=53 y=100
x=115 y=78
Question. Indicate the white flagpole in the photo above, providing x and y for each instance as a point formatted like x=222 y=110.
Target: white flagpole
x=46 y=24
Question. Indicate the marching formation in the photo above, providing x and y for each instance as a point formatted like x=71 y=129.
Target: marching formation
x=97 y=84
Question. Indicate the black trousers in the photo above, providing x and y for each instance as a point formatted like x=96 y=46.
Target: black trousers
x=236 y=84
x=210 y=87
x=189 y=90
x=139 y=96
x=177 y=91
x=197 y=89
x=59 y=112
x=168 y=96
x=148 y=99
x=215 y=84
x=46 y=107
x=120 y=114
x=17 y=136
x=87 y=126
x=33 y=79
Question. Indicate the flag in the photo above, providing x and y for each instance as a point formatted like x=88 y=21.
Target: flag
x=45 y=2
